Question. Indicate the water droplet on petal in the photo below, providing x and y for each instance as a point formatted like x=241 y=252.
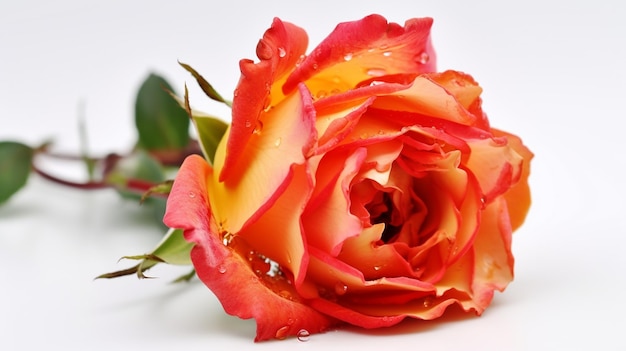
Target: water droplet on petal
x=428 y=301
x=347 y=57
x=285 y=294
x=315 y=66
x=251 y=255
x=377 y=268
x=387 y=53
x=248 y=123
x=422 y=58
x=282 y=332
x=281 y=52
x=221 y=269
x=277 y=142
x=258 y=128
x=376 y=72
x=303 y=335
x=340 y=288
x=192 y=194
x=227 y=238
x=267 y=104
x=300 y=59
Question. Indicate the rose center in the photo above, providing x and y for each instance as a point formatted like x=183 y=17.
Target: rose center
x=382 y=210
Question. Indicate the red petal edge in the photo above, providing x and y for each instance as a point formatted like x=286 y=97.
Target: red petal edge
x=278 y=51
x=241 y=292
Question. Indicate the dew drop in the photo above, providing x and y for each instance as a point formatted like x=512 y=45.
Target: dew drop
x=192 y=194
x=315 y=66
x=377 y=268
x=347 y=57
x=422 y=58
x=221 y=269
x=285 y=294
x=300 y=60
x=321 y=94
x=251 y=255
x=248 y=124
x=282 y=332
x=267 y=104
x=376 y=72
x=428 y=301
x=376 y=82
x=303 y=335
x=277 y=142
x=340 y=288
x=387 y=53
x=282 y=52
x=258 y=128
x=227 y=238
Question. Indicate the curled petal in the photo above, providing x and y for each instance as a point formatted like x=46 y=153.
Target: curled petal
x=273 y=304
x=493 y=265
x=278 y=51
x=426 y=97
x=518 y=197
x=375 y=261
x=357 y=51
x=286 y=137
x=327 y=220
x=281 y=224
x=496 y=165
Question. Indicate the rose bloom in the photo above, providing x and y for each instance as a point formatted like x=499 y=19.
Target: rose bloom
x=354 y=185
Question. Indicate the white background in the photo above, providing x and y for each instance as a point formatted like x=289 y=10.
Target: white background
x=552 y=71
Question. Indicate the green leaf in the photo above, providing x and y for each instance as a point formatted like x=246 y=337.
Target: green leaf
x=210 y=132
x=162 y=124
x=15 y=166
x=204 y=85
x=173 y=249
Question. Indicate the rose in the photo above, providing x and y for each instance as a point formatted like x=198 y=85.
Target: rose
x=354 y=185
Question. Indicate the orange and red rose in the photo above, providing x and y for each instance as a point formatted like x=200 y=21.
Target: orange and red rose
x=355 y=185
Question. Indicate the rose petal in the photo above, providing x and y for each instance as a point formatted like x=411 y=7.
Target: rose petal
x=341 y=285
x=333 y=124
x=518 y=196
x=279 y=50
x=428 y=98
x=496 y=165
x=278 y=233
x=287 y=136
x=356 y=51
x=466 y=91
x=460 y=85
x=223 y=269
x=493 y=267
x=327 y=220
x=375 y=261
